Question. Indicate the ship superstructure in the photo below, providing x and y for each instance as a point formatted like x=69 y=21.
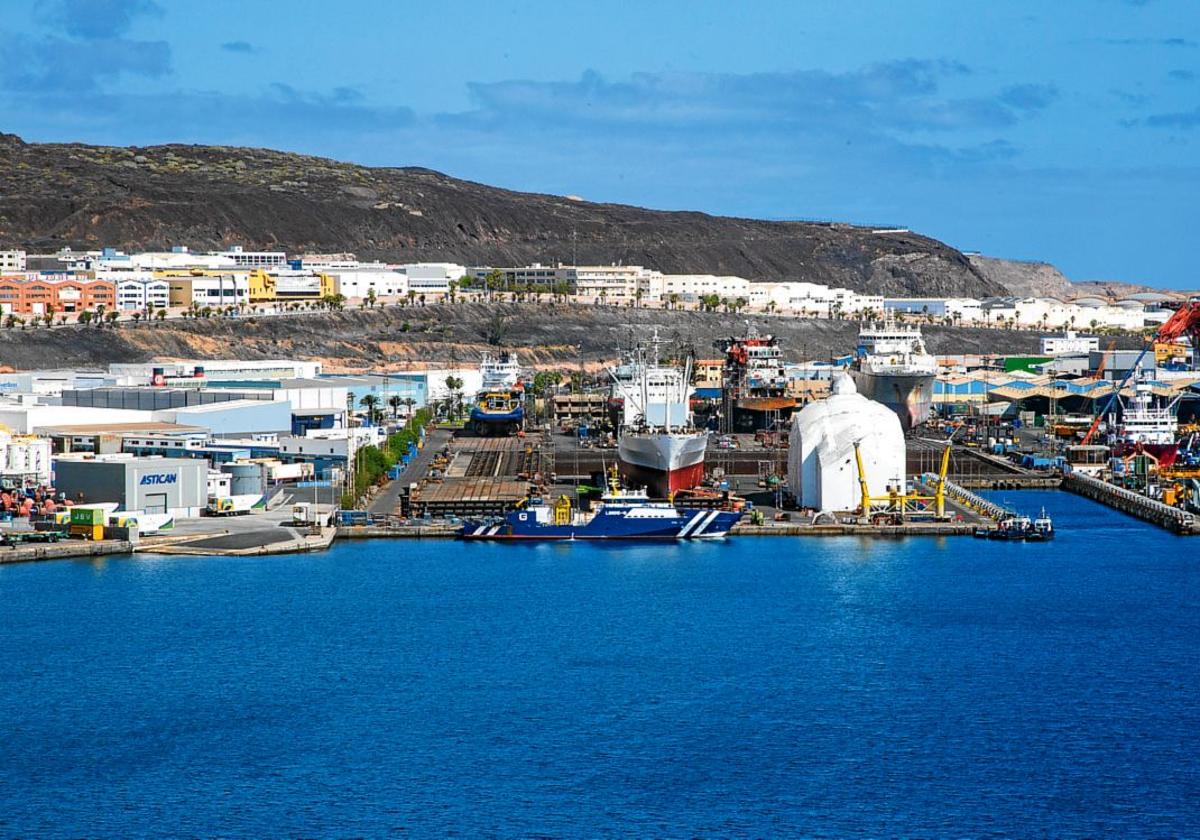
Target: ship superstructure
x=893 y=367
x=1145 y=427
x=499 y=406
x=756 y=382
x=657 y=444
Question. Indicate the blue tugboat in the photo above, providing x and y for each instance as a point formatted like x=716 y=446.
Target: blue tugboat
x=619 y=515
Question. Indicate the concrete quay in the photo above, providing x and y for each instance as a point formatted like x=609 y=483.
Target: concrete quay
x=844 y=529
x=1134 y=504
x=65 y=550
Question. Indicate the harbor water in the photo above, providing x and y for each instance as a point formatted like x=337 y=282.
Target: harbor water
x=749 y=687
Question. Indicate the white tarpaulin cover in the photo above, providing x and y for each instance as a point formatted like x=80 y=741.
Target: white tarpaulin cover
x=822 y=472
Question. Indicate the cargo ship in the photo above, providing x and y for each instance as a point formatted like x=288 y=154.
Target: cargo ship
x=619 y=515
x=892 y=367
x=1145 y=429
x=499 y=407
x=658 y=445
x=756 y=383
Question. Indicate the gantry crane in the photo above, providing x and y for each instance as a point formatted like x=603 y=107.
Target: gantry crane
x=899 y=502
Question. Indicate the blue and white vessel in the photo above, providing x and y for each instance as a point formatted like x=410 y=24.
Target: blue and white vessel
x=500 y=404
x=619 y=515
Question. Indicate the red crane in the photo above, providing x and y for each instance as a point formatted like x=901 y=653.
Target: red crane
x=1185 y=321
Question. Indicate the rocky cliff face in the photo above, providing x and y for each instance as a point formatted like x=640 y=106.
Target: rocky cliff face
x=1024 y=279
x=54 y=195
x=546 y=334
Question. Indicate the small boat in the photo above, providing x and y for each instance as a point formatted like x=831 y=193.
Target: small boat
x=619 y=515
x=1014 y=528
x=1042 y=530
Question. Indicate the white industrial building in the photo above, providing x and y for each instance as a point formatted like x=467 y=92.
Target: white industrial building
x=216 y=370
x=361 y=281
x=210 y=290
x=142 y=291
x=822 y=470
x=1069 y=343
x=29 y=418
x=173 y=486
x=254 y=259
x=431 y=278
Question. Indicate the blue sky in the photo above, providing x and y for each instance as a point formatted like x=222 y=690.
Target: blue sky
x=1065 y=131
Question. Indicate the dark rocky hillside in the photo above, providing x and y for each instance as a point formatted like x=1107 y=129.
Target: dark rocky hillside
x=54 y=195
x=547 y=335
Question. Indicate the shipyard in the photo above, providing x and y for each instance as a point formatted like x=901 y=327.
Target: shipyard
x=555 y=420
x=666 y=435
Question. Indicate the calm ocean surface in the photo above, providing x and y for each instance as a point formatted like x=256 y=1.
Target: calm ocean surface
x=770 y=687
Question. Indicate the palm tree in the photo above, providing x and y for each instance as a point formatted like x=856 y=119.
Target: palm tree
x=370 y=401
x=395 y=401
x=454 y=384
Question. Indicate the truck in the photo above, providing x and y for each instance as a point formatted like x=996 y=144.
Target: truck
x=302 y=513
x=235 y=505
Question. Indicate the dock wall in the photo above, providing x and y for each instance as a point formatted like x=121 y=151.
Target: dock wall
x=1134 y=504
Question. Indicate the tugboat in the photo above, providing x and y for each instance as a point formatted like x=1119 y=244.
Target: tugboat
x=1012 y=529
x=619 y=515
x=1043 y=529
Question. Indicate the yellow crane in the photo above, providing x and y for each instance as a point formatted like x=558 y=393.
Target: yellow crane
x=899 y=502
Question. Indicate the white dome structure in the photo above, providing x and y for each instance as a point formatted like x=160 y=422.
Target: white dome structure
x=822 y=472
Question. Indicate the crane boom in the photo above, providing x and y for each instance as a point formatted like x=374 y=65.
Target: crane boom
x=1185 y=321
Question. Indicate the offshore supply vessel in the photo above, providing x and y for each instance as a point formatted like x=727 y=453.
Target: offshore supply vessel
x=756 y=383
x=892 y=367
x=658 y=445
x=499 y=407
x=619 y=515
x=1146 y=429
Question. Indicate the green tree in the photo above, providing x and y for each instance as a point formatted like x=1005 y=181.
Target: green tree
x=395 y=401
x=454 y=384
x=370 y=403
x=84 y=317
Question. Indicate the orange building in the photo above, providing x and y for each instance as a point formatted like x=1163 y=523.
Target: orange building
x=22 y=295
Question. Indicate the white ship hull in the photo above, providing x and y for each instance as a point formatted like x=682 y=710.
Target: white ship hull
x=664 y=462
x=910 y=395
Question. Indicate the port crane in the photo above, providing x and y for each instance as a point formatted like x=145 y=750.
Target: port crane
x=1185 y=321
x=899 y=502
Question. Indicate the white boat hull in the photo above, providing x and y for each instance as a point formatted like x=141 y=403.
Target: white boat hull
x=664 y=462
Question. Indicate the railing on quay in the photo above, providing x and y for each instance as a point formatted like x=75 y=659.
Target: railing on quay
x=968 y=499
x=1132 y=503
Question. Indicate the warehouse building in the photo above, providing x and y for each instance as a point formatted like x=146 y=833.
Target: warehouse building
x=174 y=486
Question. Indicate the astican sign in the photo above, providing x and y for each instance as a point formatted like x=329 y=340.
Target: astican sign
x=158 y=478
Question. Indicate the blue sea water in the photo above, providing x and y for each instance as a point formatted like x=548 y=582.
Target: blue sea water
x=770 y=687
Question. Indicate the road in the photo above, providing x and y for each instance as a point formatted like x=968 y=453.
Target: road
x=385 y=503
